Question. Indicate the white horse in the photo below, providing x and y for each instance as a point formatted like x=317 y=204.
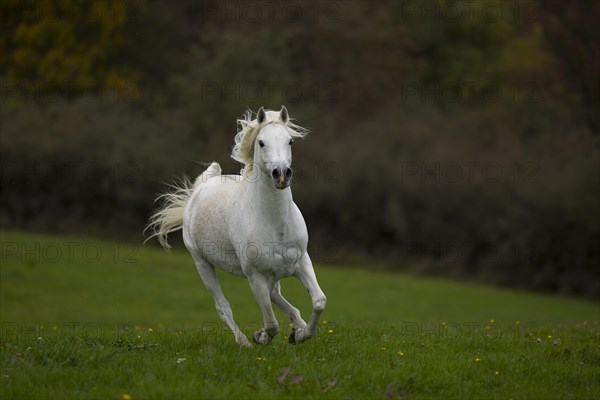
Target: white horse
x=248 y=225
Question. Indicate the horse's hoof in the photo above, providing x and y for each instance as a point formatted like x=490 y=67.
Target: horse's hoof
x=261 y=337
x=292 y=339
x=243 y=341
x=297 y=336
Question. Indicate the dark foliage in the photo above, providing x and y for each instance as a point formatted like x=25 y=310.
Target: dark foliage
x=464 y=147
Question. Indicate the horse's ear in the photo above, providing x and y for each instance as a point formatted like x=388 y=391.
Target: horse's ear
x=261 y=115
x=283 y=115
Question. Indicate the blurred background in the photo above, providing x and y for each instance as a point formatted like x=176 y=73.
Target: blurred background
x=451 y=138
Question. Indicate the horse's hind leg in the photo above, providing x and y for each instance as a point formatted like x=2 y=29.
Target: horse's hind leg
x=209 y=277
x=292 y=312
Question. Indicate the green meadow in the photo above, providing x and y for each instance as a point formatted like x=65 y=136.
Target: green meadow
x=89 y=319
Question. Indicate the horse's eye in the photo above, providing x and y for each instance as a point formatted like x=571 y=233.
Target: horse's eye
x=261 y=143
x=291 y=141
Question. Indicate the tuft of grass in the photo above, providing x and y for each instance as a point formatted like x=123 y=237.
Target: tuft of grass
x=88 y=319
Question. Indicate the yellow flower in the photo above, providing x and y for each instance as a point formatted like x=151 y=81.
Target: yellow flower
x=324 y=321
x=150 y=330
x=126 y=396
x=290 y=325
x=401 y=354
x=477 y=359
x=497 y=372
x=259 y=358
x=492 y=321
x=330 y=331
x=549 y=336
x=285 y=337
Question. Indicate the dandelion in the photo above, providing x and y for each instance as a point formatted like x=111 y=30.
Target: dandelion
x=324 y=322
x=126 y=396
x=492 y=321
x=285 y=337
x=477 y=359
x=150 y=330
x=259 y=358
x=401 y=354
x=497 y=373
x=330 y=331
x=549 y=336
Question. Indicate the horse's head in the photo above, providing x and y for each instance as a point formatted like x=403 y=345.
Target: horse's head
x=264 y=145
x=273 y=147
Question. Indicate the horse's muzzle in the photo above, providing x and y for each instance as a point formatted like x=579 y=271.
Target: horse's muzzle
x=282 y=176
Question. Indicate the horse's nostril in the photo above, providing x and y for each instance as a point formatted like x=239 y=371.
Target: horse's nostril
x=276 y=173
x=288 y=173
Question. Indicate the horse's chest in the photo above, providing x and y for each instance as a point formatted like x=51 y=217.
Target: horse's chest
x=270 y=246
x=276 y=255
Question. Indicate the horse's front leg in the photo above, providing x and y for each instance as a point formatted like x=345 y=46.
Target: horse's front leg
x=261 y=288
x=286 y=307
x=306 y=274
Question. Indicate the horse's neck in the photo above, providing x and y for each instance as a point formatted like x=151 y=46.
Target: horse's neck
x=273 y=204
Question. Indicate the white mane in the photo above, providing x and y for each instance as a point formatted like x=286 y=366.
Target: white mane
x=248 y=129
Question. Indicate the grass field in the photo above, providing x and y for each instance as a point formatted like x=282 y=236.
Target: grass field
x=96 y=320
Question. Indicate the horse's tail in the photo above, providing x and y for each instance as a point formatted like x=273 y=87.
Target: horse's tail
x=169 y=217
